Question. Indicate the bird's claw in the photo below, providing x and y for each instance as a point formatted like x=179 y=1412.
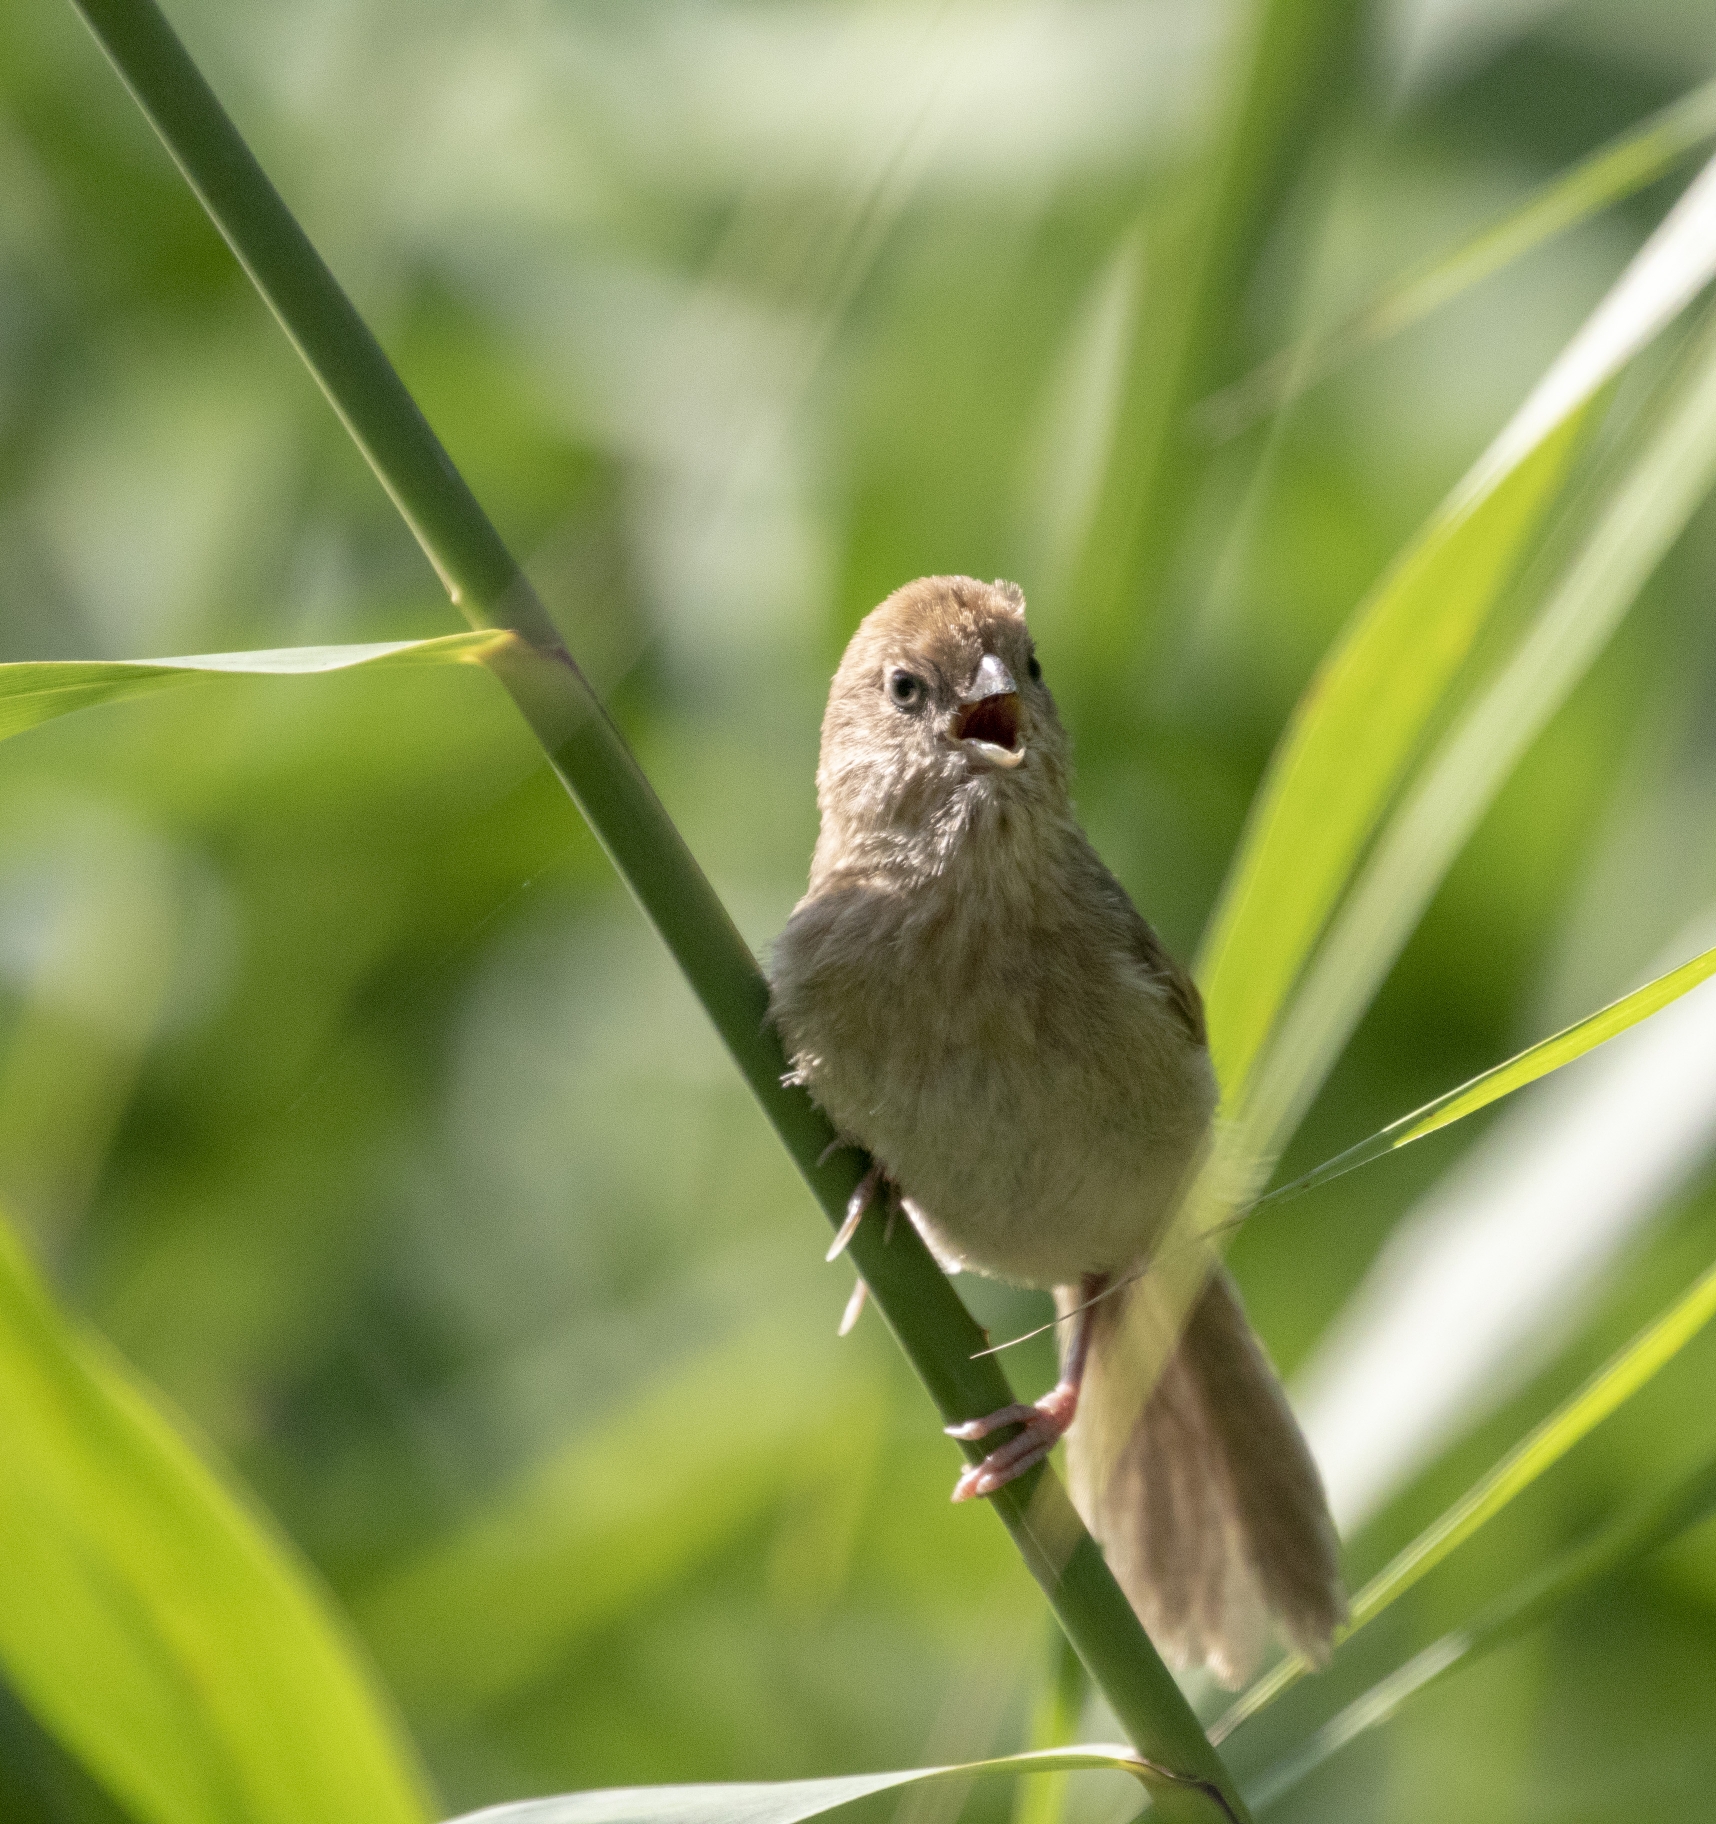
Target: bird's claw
x=1043 y=1426
x=854 y=1308
x=860 y=1200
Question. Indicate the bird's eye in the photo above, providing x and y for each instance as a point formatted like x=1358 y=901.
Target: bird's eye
x=905 y=689
x=1034 y=669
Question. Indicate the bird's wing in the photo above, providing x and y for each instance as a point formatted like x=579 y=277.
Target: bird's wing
x=1151 y=954
x=1182 y=991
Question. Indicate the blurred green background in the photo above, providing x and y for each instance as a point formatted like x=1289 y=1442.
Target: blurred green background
x=342 y=1087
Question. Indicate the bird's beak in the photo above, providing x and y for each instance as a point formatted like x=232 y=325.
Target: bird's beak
x=987 y=720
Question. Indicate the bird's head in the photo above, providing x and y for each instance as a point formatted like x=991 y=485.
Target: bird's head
x=937 y=713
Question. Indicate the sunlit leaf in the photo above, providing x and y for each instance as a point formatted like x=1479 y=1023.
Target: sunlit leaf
x=153 y=1621
x=788 y=1801
x=1610 y=1387
x=1526 y=1067
x=1641 y=1529
x=1347 y=745
x=1353 y=738
x=37 y=691
x=1626 y=165
x=1669 y=470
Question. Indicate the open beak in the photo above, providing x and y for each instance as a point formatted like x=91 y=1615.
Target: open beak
x=987 y=720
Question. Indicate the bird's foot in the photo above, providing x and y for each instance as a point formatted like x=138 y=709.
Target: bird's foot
x=1044 y=1425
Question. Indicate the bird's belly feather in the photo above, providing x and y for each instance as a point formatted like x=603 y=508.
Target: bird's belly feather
x=1034 y=1155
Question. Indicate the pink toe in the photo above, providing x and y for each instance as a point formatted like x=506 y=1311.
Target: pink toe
x=1044 y=1425
x=973 y=1429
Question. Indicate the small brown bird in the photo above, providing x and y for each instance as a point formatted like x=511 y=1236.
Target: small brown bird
x=971 y=996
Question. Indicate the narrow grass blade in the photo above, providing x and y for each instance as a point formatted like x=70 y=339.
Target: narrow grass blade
x=1353 y=738
x=1641 y=1529
x=34 y=692
x=790 y=1801
x=1668 y=471
x=1609 y=1388
x=1526 y=1067
x=1627 y=164
x=153 y=1622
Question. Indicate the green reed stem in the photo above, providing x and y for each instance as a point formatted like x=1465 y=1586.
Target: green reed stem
x=598 y=770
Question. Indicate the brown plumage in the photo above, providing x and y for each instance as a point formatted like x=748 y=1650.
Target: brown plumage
x=972 y=997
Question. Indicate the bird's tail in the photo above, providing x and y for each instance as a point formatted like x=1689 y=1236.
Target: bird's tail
x=1210 y=1510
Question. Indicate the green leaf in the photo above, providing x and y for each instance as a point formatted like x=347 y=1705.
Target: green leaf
x=1669 y=468
x=1626 y=165
x=788 y=1801
x=1358 y=728
x=1348 y=744
x=154 y=1622
x=1610 y=1387
x=1526 y=1067
x=1644 y=1527
x=34 y=692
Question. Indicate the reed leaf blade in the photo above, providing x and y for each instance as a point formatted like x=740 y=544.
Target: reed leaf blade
x=154 y=1621
x=1624 y=1375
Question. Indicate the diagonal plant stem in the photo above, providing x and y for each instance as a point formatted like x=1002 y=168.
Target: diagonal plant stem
x=598 y=770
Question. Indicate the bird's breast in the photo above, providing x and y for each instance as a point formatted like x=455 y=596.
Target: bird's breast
x=1022 y=1083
